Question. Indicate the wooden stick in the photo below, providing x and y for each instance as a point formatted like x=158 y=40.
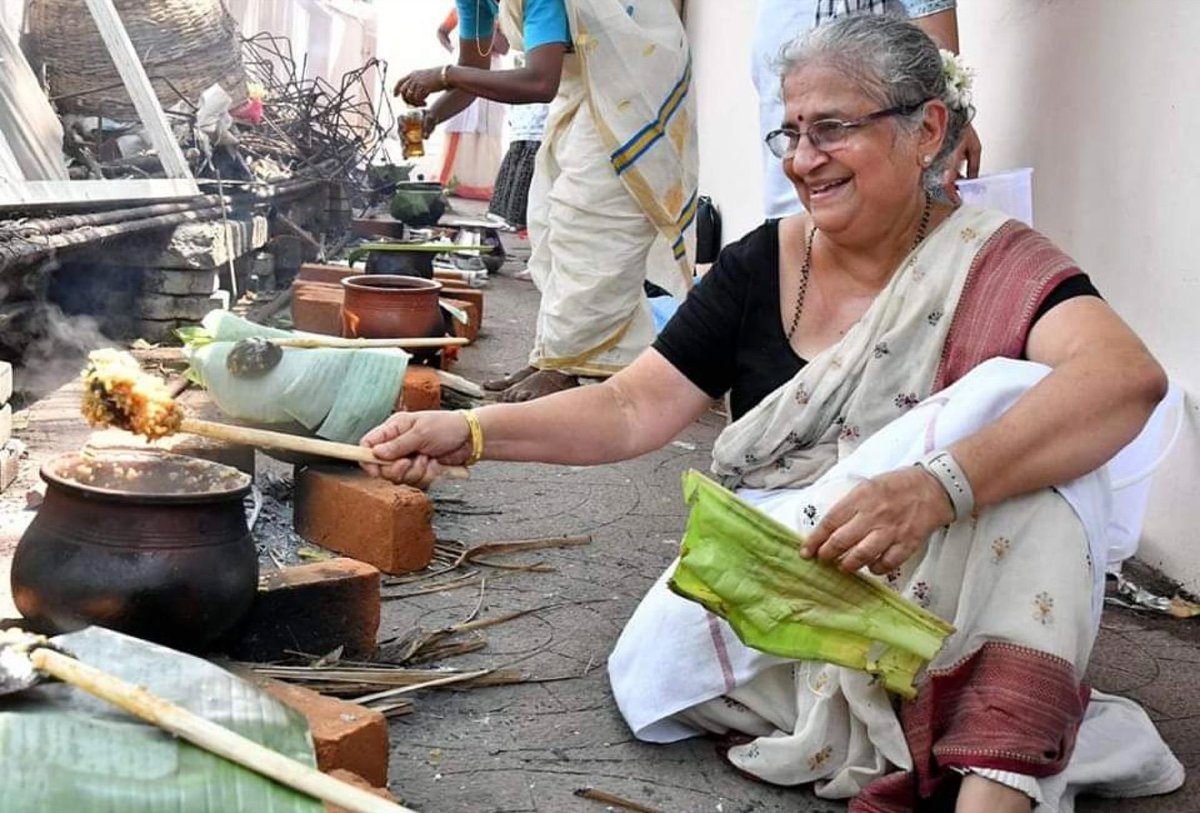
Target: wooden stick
x=612 y=799
x=334 y=341
x=208 y=735
x=293 y=443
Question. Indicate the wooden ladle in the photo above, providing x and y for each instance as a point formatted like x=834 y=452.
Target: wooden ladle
x=118 y=393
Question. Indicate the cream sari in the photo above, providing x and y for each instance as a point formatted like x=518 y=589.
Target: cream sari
x=1018 y=581
x=613 y=197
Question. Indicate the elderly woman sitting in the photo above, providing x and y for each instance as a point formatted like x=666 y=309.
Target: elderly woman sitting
x=825 y=330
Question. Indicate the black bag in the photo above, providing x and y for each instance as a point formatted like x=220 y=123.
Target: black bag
x=708 y=230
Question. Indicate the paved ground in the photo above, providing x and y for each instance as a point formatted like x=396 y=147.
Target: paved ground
x=528 y=747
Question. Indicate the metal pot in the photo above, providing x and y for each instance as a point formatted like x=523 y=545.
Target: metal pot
x=389 y=306
x=153 y=545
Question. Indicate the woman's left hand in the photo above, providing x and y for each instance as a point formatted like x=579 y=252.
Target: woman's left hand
x=416 y=86
x=882 y=522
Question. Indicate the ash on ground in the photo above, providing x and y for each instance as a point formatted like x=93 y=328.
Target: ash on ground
x=278 y=545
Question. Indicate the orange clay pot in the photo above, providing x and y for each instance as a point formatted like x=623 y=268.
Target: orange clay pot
x=387 y=306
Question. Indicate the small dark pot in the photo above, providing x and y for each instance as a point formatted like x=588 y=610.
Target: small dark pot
x=153 y=545
x=385 y=306
x=401 y=263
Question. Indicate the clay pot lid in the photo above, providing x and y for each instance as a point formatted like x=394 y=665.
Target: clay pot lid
x=146 y=477
x=391 y=282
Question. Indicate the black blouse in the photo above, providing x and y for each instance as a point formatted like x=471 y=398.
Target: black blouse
x=728 y=335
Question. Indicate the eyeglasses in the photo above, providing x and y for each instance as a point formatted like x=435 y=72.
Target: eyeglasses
x=830 y=134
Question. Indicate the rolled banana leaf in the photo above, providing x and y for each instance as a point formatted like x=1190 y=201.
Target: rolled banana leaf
x=336 y=393
x=746 y=568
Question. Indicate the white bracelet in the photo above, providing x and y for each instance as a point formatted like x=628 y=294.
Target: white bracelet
x=953 y=479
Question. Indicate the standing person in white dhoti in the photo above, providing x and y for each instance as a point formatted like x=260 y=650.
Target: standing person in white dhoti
x=613 y=197
x=882 y=329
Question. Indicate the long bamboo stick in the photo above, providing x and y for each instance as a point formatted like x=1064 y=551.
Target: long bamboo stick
x=335 y=341
x=293 y=443
x=208 y=735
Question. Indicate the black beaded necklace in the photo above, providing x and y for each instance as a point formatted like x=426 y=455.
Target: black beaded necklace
x=807 y=266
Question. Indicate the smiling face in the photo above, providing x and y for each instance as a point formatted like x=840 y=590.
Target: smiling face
x=856 y=191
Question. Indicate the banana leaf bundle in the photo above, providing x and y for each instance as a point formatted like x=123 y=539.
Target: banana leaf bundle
x=336 y=393
x=63 y=750
x=746 y=568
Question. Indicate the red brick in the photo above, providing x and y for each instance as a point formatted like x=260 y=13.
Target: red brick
x=313 y=608
x=471 y=329
x=328 y=274
x=358 y=782
x=363 y=517
x=464 y=293
x=422 y=389
x=448 y=357
x=317 y=308
x=346 y=736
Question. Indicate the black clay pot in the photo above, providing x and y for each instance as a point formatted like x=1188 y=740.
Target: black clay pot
x=402 y=263
x=153 y=545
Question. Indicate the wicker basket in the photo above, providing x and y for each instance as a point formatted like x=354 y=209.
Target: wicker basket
x=188 y=44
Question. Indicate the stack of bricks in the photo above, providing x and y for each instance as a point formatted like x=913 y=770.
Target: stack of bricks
x=10 y=449
x=180 y=284
x=317 y=298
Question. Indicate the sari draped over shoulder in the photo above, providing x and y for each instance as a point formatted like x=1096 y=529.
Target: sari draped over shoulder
x=614 y=193
x=1021 y=581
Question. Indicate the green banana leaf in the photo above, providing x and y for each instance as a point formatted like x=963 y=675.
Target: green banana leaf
x=63 y=750
x=746 y=567
x=366 y=396
x=336 y=393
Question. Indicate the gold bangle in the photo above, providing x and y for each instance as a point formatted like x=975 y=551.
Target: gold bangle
x=476 y=436
x=445 y=77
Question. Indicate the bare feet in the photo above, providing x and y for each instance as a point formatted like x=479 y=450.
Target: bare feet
x=537 y=385
x=498 y=384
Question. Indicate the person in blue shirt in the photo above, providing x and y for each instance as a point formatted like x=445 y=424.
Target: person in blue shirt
x=613 y=195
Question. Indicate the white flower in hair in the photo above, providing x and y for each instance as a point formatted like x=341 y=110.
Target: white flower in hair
x=959 y=80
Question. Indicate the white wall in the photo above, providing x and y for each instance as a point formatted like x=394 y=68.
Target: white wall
x=726 y=110
x=407 y=41
x=1100 y=97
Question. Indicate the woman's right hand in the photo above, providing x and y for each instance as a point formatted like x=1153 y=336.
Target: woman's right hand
x=416 y=87
x=413 y=446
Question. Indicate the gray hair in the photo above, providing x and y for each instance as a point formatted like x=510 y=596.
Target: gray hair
x=892 y=61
